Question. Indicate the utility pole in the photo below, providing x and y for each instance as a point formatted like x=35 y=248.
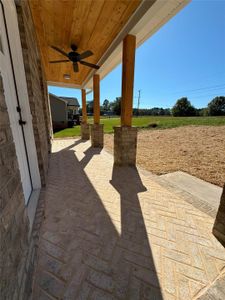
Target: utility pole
x=139 y=99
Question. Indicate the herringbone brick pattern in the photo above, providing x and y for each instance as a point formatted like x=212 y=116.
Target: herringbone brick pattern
x=115 y=233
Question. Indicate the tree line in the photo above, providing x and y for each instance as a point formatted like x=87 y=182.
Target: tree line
x=182 y=108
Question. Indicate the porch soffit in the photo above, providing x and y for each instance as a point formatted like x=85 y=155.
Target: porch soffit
x=96 y=25
x=91 y=25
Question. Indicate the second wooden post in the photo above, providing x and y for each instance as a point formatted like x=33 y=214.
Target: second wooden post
x=85 y=134
x=96 y=128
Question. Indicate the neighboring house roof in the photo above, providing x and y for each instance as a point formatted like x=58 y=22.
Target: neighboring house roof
x=71 y=101
x=57 y=98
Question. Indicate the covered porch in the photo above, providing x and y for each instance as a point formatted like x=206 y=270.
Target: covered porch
x=111 y=230
x=82 y=41
x=103 y=228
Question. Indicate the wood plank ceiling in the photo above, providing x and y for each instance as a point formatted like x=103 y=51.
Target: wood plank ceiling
x=89 y=24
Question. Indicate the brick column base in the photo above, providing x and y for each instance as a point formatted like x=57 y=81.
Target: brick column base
x=219 y=225
x=125 y=145
x=85 y=133
x=97 y=135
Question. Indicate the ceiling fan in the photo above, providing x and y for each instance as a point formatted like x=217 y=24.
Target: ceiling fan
x=75 y=58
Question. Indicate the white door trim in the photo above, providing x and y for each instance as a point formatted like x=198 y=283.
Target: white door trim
x=21 y=84
x=11 y=99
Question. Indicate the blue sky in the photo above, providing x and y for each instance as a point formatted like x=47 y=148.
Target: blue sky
x=186 y=57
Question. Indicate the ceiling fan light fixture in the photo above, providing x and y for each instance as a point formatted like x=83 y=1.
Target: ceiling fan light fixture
x=66 y=76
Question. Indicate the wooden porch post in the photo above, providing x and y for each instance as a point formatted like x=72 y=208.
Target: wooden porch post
x=85 y=133
x=129 y=46
x=84 y=107
x=96 y=80
x=125 y=136
x=97 y=137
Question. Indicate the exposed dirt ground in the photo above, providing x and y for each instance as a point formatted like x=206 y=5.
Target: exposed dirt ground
x=197 y=150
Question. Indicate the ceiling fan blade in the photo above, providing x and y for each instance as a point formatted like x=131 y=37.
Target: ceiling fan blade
x=85 y=54
x=89 y=65
x=75 y=67
x=59 y=50
x=58 y=61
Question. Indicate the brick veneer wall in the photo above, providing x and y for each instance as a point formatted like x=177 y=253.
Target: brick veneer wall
x=18 y=251
x=13 y=218
x=37 y=87
x=17 y=248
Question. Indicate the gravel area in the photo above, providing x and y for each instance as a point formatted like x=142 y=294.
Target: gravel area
x=197 y=150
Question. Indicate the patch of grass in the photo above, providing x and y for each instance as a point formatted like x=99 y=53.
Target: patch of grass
x=143 y=122
x=68 y=132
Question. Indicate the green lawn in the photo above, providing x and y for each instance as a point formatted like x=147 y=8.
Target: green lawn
x=143 y=122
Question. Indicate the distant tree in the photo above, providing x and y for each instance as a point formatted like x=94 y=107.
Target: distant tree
x=217 y=106
x=155 y=111
x=90 y=107
x=202 y=112
x=183 y=108
x=161 y=112
x=205 y=112
x=116 y=106
x=167 y=111
x=106 y=105
x=102 y=110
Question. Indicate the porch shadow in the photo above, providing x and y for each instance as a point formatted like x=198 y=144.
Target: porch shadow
x=83 y=252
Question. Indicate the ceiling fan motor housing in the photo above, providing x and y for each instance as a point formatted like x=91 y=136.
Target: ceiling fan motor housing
x=73 y=56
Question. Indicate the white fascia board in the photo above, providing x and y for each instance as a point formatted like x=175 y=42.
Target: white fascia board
x=146 y=20
x=63 y=84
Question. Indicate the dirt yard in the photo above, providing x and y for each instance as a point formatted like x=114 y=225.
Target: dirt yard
x=197 y=150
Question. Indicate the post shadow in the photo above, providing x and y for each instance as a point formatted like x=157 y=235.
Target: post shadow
x=89 y=153
x=127 y=182
x=77 y=142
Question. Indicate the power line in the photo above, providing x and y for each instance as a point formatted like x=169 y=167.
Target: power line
x=208 y=90
x=200 y=89
x=203 y=96
x=219 y=91
x=208 y=78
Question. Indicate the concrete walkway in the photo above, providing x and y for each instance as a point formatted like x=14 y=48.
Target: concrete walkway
x=116 y=233
x=204 y=191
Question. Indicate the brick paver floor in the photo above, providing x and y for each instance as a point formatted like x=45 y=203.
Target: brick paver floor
x=116 y=233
